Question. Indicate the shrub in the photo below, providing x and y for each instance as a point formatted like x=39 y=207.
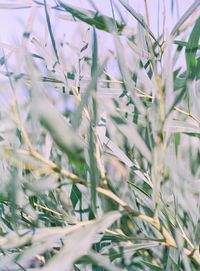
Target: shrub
x=100 y=167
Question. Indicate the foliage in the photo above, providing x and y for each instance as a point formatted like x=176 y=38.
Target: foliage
x=100 y=172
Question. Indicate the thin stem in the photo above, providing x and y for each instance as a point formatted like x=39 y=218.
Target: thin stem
x=189 y=114
x=47 y=209
x=147 y=12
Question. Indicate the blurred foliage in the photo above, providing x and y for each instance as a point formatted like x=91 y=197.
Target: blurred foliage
x=100 y=168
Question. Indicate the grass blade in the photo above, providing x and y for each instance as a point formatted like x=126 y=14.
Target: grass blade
x=50 y=31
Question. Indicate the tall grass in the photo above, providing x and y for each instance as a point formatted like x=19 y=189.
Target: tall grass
x=100 y=168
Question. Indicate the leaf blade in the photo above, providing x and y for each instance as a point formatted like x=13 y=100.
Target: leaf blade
x=94 y=19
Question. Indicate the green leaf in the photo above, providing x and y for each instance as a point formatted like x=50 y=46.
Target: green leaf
x=182 y=43
x=197 y=232
x=26 y=77
x=50 y=30
x=193 y=134
x=13 y=191
x=93 y=18
x=177 y=139
x=75 y=195
x=94 y=174
x=191 y=50
x=94 y=53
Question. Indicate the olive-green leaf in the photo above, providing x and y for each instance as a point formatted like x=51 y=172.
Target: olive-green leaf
x=191 y=49
x=93 y=18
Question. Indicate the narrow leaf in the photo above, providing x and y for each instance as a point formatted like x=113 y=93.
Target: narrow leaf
x=191 y=49
x=50 y=30
x=93 y=18
x=139 y=18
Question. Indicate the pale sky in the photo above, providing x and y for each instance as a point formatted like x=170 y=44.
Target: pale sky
x=12 y=21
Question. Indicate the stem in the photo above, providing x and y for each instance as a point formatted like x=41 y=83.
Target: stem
x=147 y=12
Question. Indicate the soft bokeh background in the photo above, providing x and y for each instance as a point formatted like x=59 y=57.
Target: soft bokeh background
x=73 y=35
x=13 y=21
